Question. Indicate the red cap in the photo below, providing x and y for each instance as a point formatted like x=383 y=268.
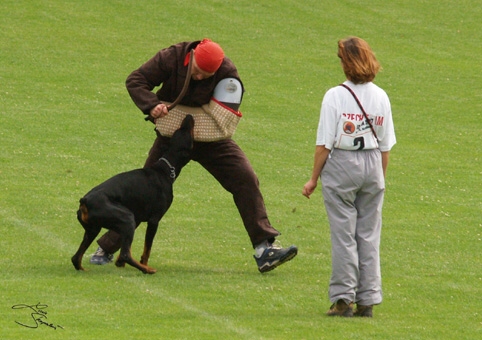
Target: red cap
x=209 y=56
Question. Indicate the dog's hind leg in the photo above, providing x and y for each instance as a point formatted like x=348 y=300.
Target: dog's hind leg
x=90 y=234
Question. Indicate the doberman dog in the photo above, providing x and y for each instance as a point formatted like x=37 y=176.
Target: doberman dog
x=143 y=195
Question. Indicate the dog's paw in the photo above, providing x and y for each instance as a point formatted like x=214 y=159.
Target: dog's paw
x=150 y=270
x=80 y=268
x=77 y=264
x=120 y=264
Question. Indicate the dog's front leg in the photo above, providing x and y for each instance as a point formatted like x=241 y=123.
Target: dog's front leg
x=119 y=262
x=125 y=255
x=150 y=233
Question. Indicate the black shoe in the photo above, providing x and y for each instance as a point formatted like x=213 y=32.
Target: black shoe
x=274 y=256
x=364 y=311
x=341 y=308
x=101 y=257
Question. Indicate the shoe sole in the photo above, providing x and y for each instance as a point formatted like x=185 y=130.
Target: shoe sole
x=363 y=315
x=343 y=315
x=100 y=262
x=287 y=257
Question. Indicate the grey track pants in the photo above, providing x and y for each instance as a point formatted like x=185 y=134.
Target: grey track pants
x=353 y=187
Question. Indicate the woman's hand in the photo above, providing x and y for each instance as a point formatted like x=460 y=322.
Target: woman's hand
x=309 y=188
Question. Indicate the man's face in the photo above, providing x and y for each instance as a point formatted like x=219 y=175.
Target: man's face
x=197 y=73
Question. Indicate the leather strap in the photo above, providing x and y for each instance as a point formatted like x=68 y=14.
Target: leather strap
x=186 y=84
x=361 y=107
x=184 y=88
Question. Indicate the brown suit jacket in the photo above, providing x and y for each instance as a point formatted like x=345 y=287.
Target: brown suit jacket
x=168 y=70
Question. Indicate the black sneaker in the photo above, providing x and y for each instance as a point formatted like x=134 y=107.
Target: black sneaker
x=274 y=256
x=101 y=257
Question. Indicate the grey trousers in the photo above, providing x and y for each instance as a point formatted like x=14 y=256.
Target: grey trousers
x=353 y=187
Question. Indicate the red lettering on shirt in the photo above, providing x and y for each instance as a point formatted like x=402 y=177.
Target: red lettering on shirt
x=353 y=116
x=379 y=120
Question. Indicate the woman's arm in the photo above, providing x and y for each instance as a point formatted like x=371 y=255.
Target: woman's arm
x=385 y=156
x=321 y=154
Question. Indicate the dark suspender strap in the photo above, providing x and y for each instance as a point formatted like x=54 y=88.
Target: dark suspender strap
x=361 y=107
x=184 y=88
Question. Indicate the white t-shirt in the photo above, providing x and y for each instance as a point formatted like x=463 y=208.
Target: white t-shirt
x=342 y=123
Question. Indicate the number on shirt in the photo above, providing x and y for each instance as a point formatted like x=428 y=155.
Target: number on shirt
x=359 y=140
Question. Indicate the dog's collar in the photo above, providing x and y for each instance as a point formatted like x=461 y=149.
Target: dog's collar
x=172 y=169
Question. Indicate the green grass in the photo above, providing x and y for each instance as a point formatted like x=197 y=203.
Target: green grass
x=67 y=123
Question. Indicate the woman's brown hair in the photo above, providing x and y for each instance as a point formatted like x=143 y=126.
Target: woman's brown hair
x=358 y=60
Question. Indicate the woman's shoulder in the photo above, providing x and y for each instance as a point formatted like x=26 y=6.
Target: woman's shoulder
x=375 y=88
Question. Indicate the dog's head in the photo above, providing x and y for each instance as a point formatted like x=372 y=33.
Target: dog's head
x=179 y=152
x=188 y=124
x=184 y=136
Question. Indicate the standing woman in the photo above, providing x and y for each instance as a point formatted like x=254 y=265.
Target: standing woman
x=354 y=138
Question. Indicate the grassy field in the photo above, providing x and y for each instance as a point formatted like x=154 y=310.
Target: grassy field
x=67 y=123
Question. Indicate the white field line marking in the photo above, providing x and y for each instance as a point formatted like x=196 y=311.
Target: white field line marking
x=43 y=232
x=223 y=321
x=56 y=242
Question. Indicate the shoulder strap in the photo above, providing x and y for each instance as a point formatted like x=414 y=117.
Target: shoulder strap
x=361 y=107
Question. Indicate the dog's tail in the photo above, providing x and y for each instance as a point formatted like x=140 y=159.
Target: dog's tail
x=83 y=212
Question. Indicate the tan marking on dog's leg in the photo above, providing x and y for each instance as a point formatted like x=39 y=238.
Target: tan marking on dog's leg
x=84 y=213
x=143 y=268
x=145 y=255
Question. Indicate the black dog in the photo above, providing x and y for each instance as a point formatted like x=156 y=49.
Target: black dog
x=124 y=201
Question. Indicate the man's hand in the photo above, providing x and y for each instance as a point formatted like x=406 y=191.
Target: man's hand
x=160 y=110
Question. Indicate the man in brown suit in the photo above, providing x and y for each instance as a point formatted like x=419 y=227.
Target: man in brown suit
x=223 y=159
